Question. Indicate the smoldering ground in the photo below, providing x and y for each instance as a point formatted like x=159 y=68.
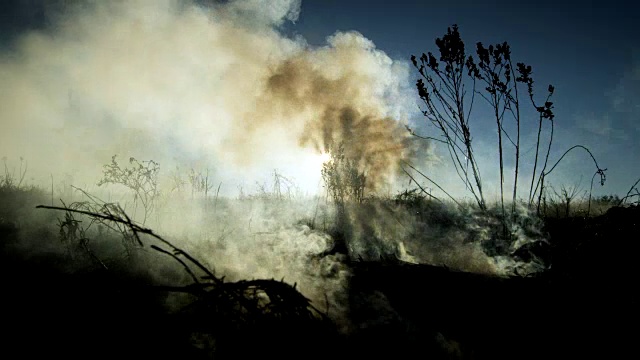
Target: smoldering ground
x=220 y=86
x=183 y=84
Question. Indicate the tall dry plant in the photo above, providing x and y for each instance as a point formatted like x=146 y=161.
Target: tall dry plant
x=491 y=74
x=141 y=178
x=342 y=178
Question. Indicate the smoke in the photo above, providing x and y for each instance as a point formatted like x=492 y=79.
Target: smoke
x=344 y=87
x=216 y=86
x=219 y=86
x=182 y=83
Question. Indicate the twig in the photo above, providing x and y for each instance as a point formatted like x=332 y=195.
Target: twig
x=186 y=267
x=629 y=192
x=421 y=188
x=433 y=182
x=135 y=228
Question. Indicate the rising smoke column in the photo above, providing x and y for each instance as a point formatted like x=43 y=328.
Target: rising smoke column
x=175 y=81
x=348 y=100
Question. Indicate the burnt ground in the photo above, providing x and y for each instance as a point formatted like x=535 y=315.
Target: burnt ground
x=586 y=304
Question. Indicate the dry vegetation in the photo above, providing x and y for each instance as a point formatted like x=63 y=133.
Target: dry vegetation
x=407 y=271
x=156 y=258
x=353 y=274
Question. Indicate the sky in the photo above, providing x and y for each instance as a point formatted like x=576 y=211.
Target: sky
x=246 y=87
x=590 y=53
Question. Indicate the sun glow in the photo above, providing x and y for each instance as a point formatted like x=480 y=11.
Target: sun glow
x=310 y=174
x=303 y=168
x=323 y=158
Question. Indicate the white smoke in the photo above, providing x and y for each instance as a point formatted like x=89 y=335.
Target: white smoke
x=180 y=83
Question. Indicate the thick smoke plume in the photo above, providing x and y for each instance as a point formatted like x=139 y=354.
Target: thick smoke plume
x=216 y=86
x=334 y=85
x=183 y=83
x=187 y=85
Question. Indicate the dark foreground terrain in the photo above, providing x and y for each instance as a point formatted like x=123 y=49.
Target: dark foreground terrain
x=585 y=305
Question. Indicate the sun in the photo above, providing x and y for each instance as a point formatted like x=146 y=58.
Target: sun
x=323 y=157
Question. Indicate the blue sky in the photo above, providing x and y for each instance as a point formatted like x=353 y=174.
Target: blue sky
x=589 y=51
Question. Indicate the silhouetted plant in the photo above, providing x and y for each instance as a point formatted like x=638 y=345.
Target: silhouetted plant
x=283 y=187
x=540 y=183
x=565 y=197
x=633 y=192
x=443 y=91
x=11 y=181
x=141 y=178
x=200 y=182
x=177 y=183
x=342 y=178
x=223 y=306
x=73 y=235
x=344 y=183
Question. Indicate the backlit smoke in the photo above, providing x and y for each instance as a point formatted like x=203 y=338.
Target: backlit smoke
x=182 y=83
x=220 y=87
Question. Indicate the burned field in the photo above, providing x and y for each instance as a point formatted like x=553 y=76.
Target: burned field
x=370 y=231
x=584 y=304
x=131 y=305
